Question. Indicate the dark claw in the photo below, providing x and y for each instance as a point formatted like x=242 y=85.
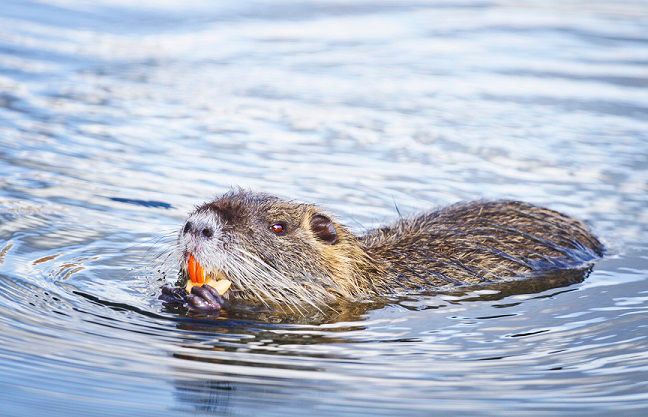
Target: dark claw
x=208 y=293
x=199 y=305
x=173 y=295
x=204 y=299
x=215 y=294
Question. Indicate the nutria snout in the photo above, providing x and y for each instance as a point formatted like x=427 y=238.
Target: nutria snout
x=292 y=253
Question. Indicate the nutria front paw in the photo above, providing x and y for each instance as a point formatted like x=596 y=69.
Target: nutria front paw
x=204 y=299
x=173 y=296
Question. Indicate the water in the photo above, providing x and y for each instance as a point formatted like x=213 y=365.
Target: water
x=116 y=117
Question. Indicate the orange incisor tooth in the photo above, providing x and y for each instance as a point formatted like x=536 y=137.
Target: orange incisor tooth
x=191 y=268
x=200 y=273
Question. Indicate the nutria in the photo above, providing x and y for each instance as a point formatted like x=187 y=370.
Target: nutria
x=290 y=253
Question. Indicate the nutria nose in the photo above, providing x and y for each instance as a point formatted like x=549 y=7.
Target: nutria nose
x=207 y=232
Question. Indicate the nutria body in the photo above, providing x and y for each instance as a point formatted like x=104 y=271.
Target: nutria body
x=285 y=252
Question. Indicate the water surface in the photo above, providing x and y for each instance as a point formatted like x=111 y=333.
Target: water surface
x=117 y=117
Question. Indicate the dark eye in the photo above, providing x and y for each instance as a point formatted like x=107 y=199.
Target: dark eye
x=279 y=228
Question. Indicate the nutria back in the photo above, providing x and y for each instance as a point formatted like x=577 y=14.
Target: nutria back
x=481 y=242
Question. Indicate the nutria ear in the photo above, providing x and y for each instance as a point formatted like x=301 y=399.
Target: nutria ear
x=324 y=229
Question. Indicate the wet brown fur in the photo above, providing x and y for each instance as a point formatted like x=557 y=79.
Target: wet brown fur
x=480 y=242
x=464 y=244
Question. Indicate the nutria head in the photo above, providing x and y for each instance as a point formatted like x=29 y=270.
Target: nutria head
x=276 y=251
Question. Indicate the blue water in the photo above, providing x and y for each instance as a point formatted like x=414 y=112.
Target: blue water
x=117 y=117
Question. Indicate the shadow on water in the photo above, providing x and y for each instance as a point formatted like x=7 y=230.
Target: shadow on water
x=205 y=396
